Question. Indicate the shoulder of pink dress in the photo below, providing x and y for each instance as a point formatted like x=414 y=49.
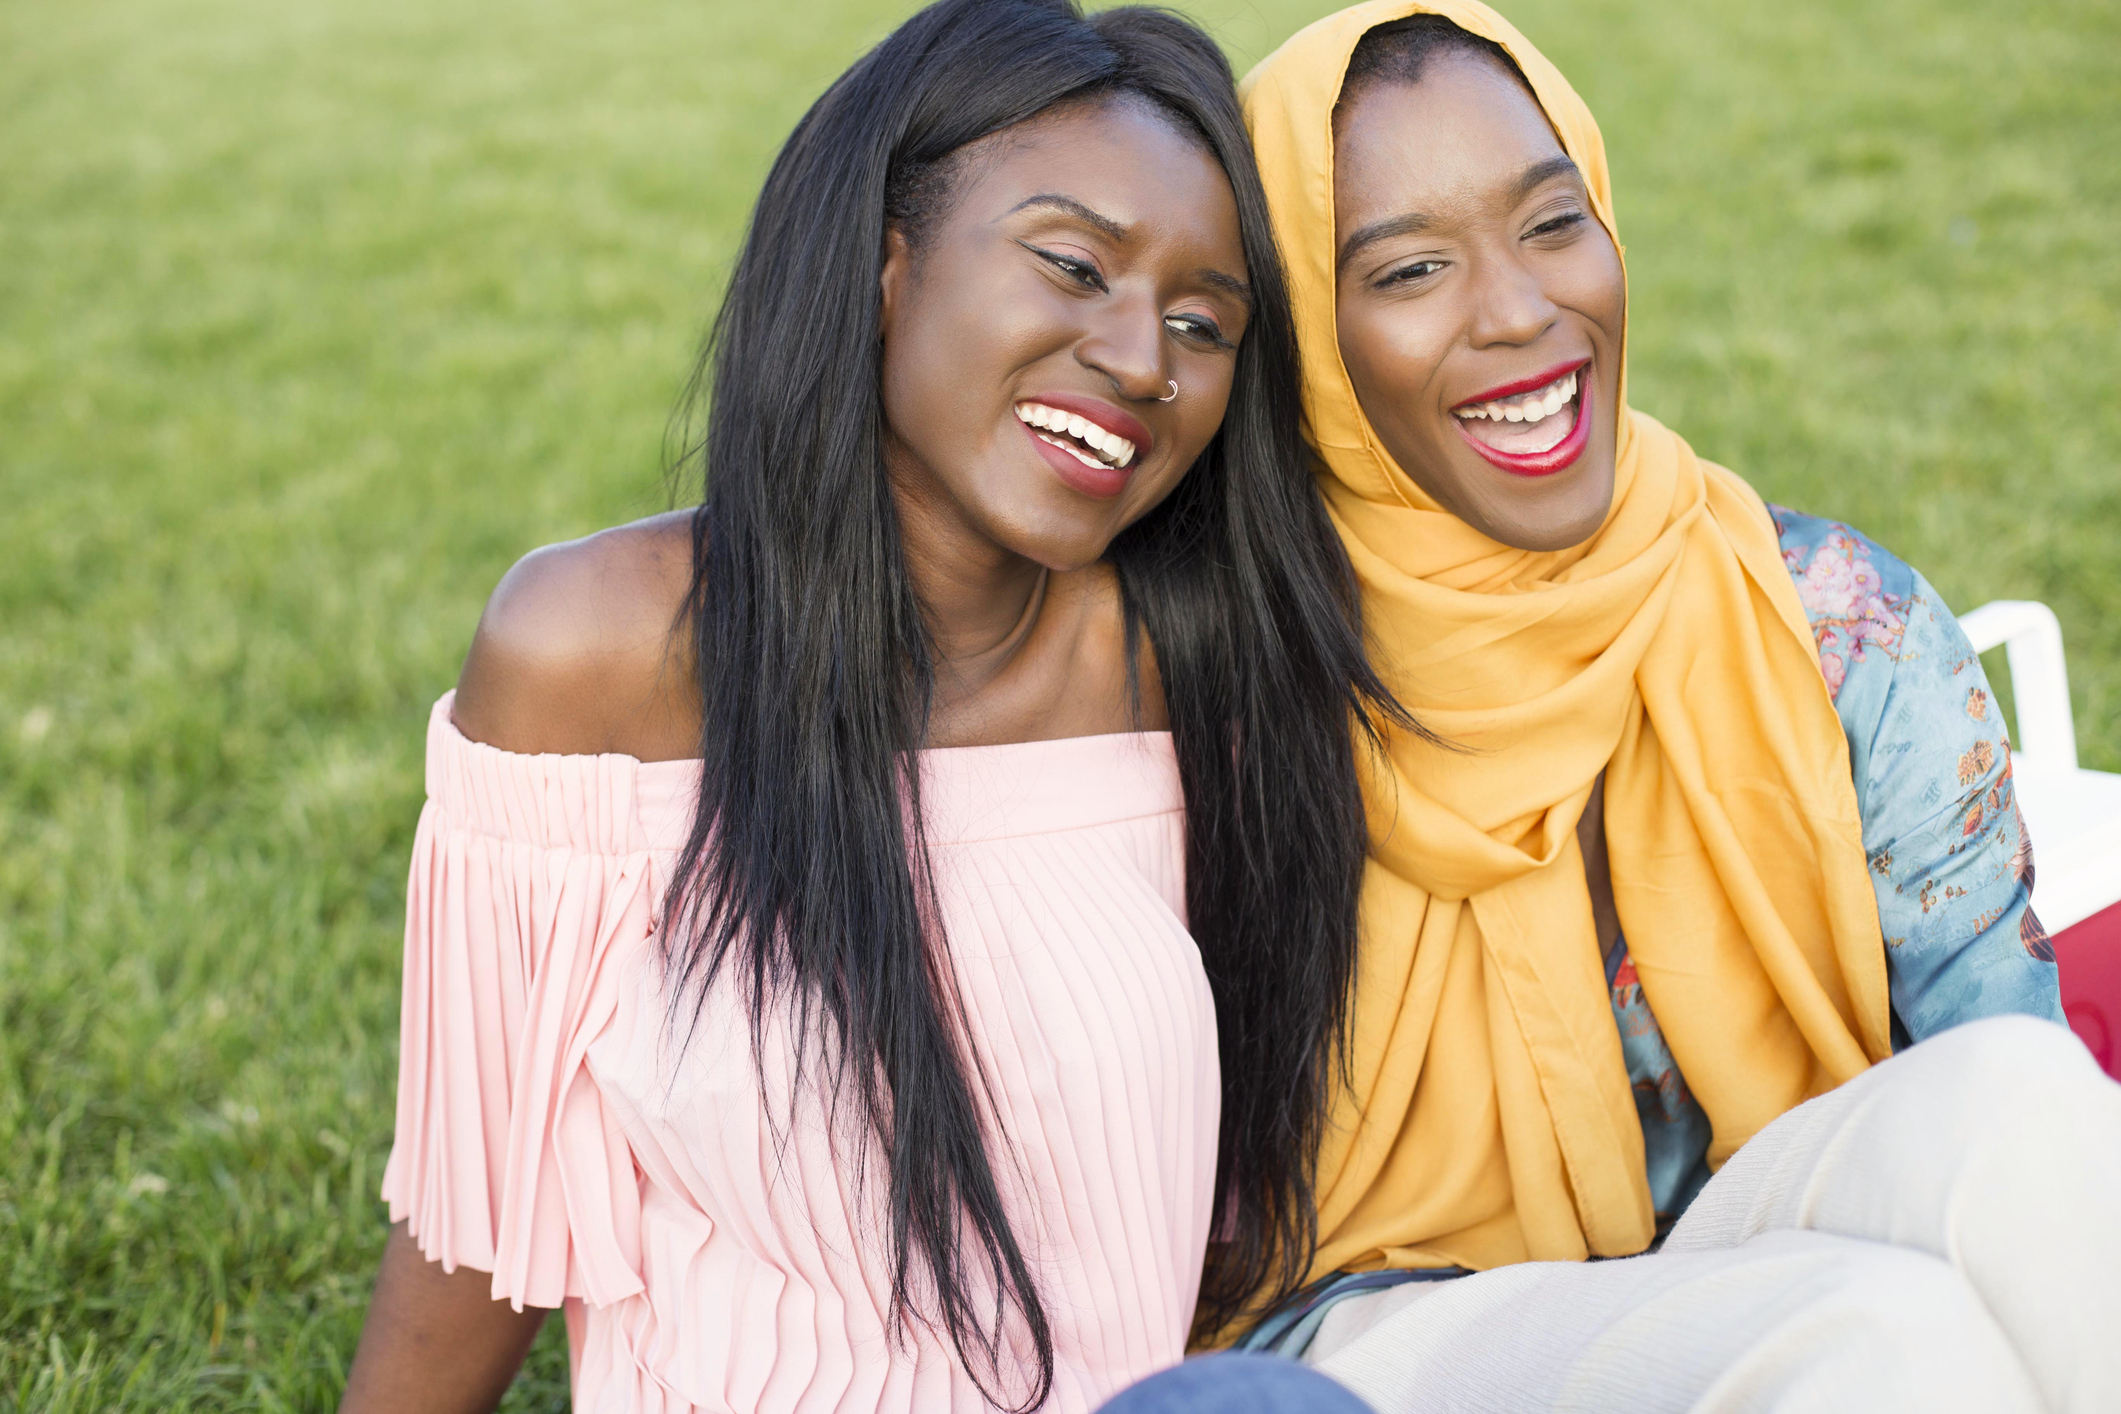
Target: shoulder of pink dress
x=975 y=793
x=616 y=804
x=604 y=804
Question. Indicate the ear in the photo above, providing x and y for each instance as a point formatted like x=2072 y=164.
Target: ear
x=898 y=270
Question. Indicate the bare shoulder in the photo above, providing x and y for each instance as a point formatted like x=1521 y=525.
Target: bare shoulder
x=583 y=648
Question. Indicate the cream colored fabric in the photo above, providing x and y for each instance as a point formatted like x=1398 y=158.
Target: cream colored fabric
x=1490 y=1120
x=1938 y=1234
x=1792 y=1322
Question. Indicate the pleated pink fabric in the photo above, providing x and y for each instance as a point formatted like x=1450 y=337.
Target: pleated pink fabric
x=706 y=1226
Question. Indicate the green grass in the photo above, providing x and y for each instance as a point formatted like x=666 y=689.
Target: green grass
x=313 y=318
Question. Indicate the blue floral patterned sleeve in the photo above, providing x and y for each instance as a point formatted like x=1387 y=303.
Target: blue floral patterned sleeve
x=1948 y=852
x=1949 y=861
x=1948 y=855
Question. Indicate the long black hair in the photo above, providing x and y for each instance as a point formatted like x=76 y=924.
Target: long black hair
x=805 y=878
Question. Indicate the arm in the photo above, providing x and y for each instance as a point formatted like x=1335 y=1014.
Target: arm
x=1948 y=850
x=435 y=1342
x=568 y=660
x=1933 y=779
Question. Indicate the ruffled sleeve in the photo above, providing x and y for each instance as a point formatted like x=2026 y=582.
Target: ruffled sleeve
x=532 y=882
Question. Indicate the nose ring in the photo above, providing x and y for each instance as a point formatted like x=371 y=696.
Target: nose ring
x=1174 y=391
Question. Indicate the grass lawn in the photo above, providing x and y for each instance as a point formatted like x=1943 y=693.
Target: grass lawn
x=314 y=317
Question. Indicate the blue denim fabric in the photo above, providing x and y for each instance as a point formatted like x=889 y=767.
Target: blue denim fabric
x=1236 y=1382
x=1288 y=1328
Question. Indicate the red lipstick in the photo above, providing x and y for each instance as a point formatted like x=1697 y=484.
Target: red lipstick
x=1104 y=414
x=1557 y=457
x=1522 y=385
x=1101 y=482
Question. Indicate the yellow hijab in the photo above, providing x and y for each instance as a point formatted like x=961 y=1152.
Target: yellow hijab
x=1490 y=1118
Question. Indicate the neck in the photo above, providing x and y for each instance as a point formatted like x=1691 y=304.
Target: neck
x=980 y=602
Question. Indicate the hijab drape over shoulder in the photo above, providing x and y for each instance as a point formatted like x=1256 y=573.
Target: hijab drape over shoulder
x=1490 y=1118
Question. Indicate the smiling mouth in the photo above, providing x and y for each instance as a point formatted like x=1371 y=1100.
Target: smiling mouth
x=1526 y=424
x=1077 y=435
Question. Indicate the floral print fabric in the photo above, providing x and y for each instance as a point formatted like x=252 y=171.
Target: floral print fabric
x=1950 y=862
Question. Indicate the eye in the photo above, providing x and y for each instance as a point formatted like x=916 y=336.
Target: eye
x=1082 y=272
x=1410 y=272
x=1557 y=225
x=1198 y=329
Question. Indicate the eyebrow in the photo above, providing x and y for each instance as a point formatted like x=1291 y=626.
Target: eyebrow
x=1113 y=230
x=1413 y=223
x=1229 y=284
x=1053 y=200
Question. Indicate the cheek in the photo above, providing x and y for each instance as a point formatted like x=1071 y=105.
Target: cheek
x=1205 y=385
x=943 y=362
x=1592 y=282
x=1182 y=447
x=1392 y=355
x=1200 y=422
x=920 y=361
x=1603 y=299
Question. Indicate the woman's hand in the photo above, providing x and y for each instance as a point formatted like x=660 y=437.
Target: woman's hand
x=435 y=1342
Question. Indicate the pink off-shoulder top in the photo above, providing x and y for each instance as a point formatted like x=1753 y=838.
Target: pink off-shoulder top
x=699 y=1219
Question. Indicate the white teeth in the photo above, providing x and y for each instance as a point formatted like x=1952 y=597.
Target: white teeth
x=1076 y=452
x=1117 y=450
x=1535 y=406
x=1119 y=461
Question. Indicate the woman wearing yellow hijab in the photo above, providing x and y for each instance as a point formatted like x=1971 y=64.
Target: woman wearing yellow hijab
x=1716 y=815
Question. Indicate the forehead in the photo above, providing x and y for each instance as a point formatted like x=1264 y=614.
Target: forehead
x=1122 y=156
x=1466 y=127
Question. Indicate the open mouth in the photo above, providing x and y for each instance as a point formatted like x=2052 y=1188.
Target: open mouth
x=1086 y=441
x=1532 y=427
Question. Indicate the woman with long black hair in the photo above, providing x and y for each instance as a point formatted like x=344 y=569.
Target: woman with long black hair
x=866 y=931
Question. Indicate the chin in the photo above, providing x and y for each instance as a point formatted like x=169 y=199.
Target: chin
x=1062 y=550
x=1563 y=538
x=1041 y=523
x=1560 y=519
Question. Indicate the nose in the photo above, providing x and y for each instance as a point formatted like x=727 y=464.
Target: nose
x=1126 y=343
x=1510 y=305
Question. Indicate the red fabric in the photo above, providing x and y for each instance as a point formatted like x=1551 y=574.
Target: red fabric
x=2088 y=954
